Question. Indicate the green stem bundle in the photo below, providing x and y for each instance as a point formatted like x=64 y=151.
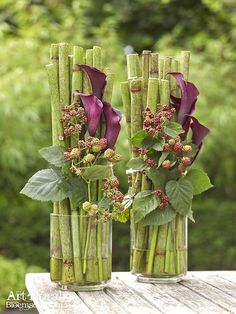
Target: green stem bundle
x=80 y=245
x=157 y=250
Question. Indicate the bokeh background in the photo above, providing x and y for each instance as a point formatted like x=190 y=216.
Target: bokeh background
x=27 y=28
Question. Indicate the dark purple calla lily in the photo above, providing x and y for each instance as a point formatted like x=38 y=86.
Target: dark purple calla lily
x=112 y=118
x=94 y=106
x=97 y=79
x=186 y=104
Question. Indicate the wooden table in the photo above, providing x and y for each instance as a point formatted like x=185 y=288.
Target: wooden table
x=200 y=292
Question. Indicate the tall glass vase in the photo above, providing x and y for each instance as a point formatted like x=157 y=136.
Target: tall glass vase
x=81 y=247
x=159 y=253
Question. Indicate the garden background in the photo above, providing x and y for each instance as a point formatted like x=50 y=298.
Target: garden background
x=27 y=28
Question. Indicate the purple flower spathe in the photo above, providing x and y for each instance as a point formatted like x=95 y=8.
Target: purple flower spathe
x=93 y=109
x=95 y=106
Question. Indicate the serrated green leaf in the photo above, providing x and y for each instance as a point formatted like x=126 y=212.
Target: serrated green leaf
x=138 y=138
x=136 y=164
x=158 y=177
x=180 y=194
x=143 y=204
x=200 y=181
x=79 y=191
x=190 y=216
x=96 y=172
x=104 y=203
x=54 y=155
x=142 y=139
x=158 y=146
x=173 y=129
x=159 y=217
x=46 y=185
x=162 y=158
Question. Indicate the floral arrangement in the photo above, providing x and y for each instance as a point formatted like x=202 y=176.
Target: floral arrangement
x=80 y=182
x=165 y=140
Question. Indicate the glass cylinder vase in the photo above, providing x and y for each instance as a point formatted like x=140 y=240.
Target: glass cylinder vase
x=80 y=252
x=159 y=253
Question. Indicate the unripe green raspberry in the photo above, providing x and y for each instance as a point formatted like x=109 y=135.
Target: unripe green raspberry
x=187 y=148
x=96 y=148
x=171 y=142
x=86 y=206
x=166 y=164
x=89 y=158
x=116 y=158
x=75 y=153
x=94 y=207
x=95 y=141
x=109 y=153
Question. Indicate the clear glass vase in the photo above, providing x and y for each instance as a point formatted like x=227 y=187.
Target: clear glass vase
x=159 y=253
x=80 y=252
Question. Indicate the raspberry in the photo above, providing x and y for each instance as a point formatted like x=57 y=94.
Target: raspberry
x=187 y=148
x=162 y=206
x=173 y=110
x=96 y=148
x=158 y=192
x=181 y=168
x=86 y=206
x=166 y=148
x=165 y=107
x=147 y=123
x=177 y=139
x=159 y=128
x=150 y=162
x=116 y=158
x=166 y=164
x=89 y=158
x=109 y=153
x=186 y=161
x=75 y=153
x=103 y=143
x=143 y=150
x=165 y=199
x=171 y=142
x=67 y=155
x=178 y=147
x=151 y=131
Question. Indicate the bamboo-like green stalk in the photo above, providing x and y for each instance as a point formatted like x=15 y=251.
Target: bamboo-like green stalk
x=173 y=82
x=161 y=68
x=77 y=77
x=164 y=92
x=125 y=94
x=154 y=65
x=153 y=94
x=167 y=67
x=57 y=135
x=64 y=206
x=133 y=66
x=97 y=57
x=145 y=75
x=184 y=63
x=87 y=89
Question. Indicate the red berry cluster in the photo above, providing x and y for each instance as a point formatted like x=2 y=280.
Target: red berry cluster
x=163 y=198
x=153 y=122
x=150 y=162
x=73 y=119
x=111 y=190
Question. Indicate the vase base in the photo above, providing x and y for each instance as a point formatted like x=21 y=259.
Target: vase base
x=75 y=287
x=161 y=279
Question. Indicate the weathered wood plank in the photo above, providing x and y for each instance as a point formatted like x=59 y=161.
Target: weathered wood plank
x=49 y=300
x=192 y=299
x=218 y=282
x=164 y=302
x=214 y=295
x=128 y=299
x=101 y=302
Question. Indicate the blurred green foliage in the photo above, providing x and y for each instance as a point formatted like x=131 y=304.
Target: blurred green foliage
x=206 y=27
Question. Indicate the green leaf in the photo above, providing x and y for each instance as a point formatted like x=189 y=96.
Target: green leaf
x=138 y=138
x=137 y=164
x=104 y=203
x=200 y=181
x=159 y=217
x=173 y=129
x=180 y=194
x=190 y=216
x=162 y=158
x=79 y=191
x=96 y=172
x=158 y=177
x=143 y=204
x=142 y=139
x=46 y=185
x=158 y=146
x=124 y=216
x=54 y=155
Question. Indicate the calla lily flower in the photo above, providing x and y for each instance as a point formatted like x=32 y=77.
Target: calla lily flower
x=95 y=106
x=185 y=106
